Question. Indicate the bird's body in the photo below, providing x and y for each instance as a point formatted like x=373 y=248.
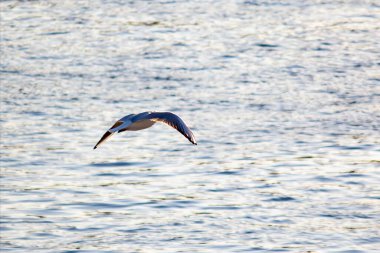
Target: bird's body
x=135 y=122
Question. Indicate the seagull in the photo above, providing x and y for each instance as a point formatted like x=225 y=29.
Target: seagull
x=134 y=122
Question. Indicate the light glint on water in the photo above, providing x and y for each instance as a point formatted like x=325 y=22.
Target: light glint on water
x=283 y=98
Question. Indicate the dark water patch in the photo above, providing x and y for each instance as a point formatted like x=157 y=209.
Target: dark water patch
x=54 y=33
x=320 y=190
x=158 y=175
x=69 y=76
x=34 y=113
x=321 y=49
x=350 y=174
x=362 y=216
x=37 y=200
x=6 y=220
x=180 y=44
x=265 y=186
x=284 y=249
x=348 y=147
x=144 y=203
x=281 y=199
x=193 y=69
x=46 y=57
x=227 y=173
x=356 y=147
x=291 y=164
x=374 y=197
x=252 y=2
x=374 y=79
x=144 y=23
x=163 y=206
x=175 y=204
x=87 y=229
x=266 y=45
x=35 y=133
x=227 y=189
x=226 y=207
x=109 y=174
x=176 y=238
x=227 y=56
x=134 y=230
x=116 y=164
x=4 y=229
x=99 y=205
x=328 y=216
x=172 y=79
x=369 y=240
x=305 y=157
x=264 y=131
x=153 y=55
x=8 y=160
x=335 y=134
x=259 y=106
x=228 y=143
x=324 y=179
x=245 y=81
x=96 y=205
x=282 y=221
x=346 y=216
x=14 y=72
x=40 y=234
x=185 y=202
x=47 y=211
x=172 y=150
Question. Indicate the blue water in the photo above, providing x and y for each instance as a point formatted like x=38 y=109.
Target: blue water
x=282 y=96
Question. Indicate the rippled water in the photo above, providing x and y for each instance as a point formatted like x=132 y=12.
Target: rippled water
x=282 y=96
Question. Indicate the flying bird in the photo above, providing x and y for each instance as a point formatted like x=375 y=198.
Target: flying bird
x=134 y=122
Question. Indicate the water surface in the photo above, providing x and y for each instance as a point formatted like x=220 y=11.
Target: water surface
x=282 y=96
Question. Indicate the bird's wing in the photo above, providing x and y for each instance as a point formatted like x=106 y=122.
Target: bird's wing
x=174 y=121
x=109 y=133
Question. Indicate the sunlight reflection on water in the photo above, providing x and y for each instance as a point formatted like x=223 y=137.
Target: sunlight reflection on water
x=283 y=98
